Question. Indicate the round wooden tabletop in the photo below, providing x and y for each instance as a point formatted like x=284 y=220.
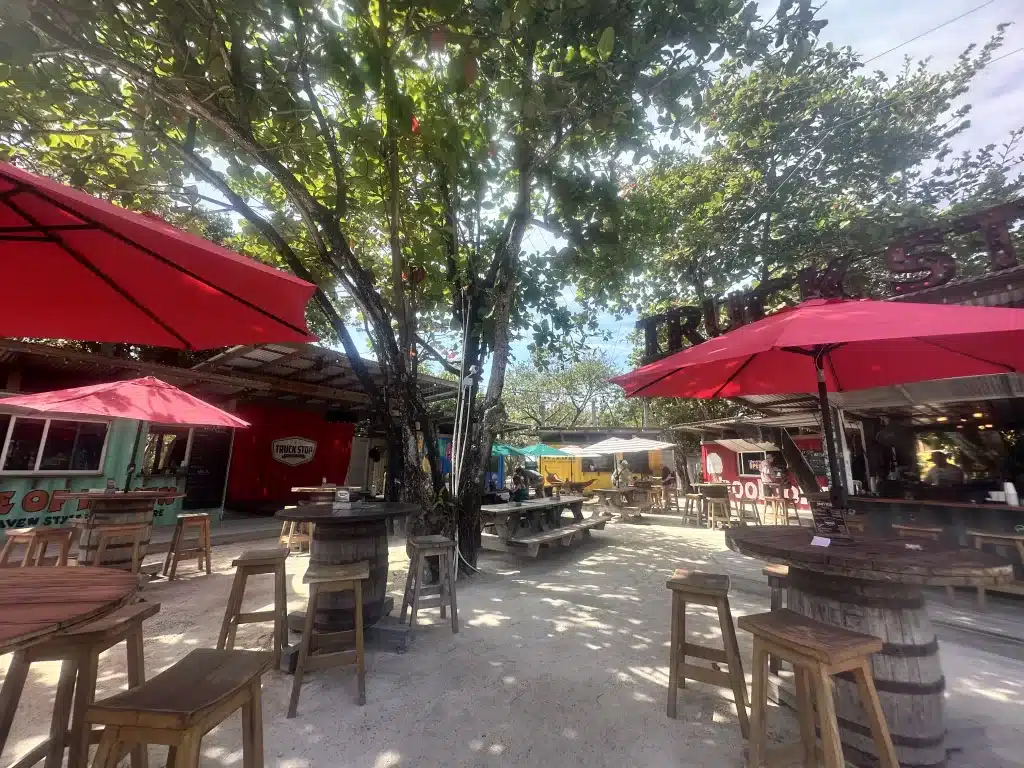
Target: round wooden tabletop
x=905 y=561
x=357 y=512
x=38 y=602
x=115 y=496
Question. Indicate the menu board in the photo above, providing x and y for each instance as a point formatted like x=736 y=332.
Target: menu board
x=207 y=468
x=829 y=520
x=818 y=462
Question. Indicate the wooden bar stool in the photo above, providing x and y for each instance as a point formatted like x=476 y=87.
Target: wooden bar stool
x=324 y=579
x=423 y=547
x=1013 y=540
x=778 y=582
x=200 y=521
x=711 y=589
x=108 y=533
x=693 y=508
x=79 y=650
x=181 y=704
x=817 y=651
x=295 y=534
x=36 y=540
x=747 y=511
x=255 y=562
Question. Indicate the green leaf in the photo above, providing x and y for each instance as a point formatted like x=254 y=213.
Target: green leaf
x=606 y=44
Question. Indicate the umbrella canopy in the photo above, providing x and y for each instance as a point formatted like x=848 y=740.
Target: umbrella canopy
x=145 y=399
x=579 y=452
x=501 y=449
x=857 y=344
x=633 y=445
x=92 y=271
x=540 y=449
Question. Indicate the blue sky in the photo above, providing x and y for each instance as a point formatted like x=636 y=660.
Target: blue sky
x=872 y=27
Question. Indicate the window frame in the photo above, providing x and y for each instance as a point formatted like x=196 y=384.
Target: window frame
x=35 y=471
x=739 y=462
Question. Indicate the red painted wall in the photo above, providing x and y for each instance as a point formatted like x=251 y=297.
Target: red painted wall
x=748 y=487
x=257 y=477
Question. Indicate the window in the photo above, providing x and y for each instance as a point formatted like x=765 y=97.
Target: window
x=750 y=463
x=166 y=449
x=639 y=463
x=598 y=464
x=54 y=446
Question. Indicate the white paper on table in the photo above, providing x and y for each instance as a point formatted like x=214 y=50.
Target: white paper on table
x=820 y=541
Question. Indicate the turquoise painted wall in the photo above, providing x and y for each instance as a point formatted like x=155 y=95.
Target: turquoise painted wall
x=27 y=500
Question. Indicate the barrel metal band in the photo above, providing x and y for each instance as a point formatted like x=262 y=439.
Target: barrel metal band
x=904 y=651
x=898 y=739
x=903 y=687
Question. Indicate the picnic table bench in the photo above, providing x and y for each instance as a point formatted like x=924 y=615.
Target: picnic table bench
x=525 y=526
x=629 y=502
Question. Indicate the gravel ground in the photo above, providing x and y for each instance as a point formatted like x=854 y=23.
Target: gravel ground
x=560 y=661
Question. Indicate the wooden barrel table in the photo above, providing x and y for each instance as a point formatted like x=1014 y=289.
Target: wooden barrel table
x=324 y=494
x=350 y=535
x=874 y=586
x=116 y=508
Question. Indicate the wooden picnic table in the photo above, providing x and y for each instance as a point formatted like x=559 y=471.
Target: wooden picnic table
x=525 y=526
x=115 y=508
x=37 y=603
x=874 y=585
x=348 y=535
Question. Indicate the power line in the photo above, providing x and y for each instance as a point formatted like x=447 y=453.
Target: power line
x=929 y=31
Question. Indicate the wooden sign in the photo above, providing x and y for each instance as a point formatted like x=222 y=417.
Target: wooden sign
x=829 y=521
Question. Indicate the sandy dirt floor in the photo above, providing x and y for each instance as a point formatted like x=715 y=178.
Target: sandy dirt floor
x=561 y=661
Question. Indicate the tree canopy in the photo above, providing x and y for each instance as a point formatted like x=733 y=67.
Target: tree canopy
x=797 y=161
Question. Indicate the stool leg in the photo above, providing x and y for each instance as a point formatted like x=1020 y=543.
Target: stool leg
x=833 y=748
x=442 y=586
x=136 y=552
x=101 y=550
x=280 y=614
x=28 y=552
x=231 y=610
x=675 y=644
x=61 y=711
x=208 y=546
x=450 y=571
x=732 y=655
x=174 y=545
x=407 y=596
x=85 y=694
x=757 y=736
x=873 y=709
x=187 y=755
x=417 y=584
x=136 y=677
x=805 y=712
x=10 y=693
x=304 y=646
x=291 y=535
x=41 y=552
x=252 y=727
x=6 y=553
x=360 y=648
x=776 y=604
x=177 y=547
x=65 y=551
x=108 y=750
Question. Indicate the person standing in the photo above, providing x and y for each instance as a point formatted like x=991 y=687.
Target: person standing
x=943 y=473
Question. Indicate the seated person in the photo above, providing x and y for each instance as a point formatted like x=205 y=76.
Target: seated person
x=668 y=478
x=520 y=490
x=943 y=473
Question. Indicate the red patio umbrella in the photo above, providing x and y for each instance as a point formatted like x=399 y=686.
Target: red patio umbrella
x=146 y=399
x=839 y=345
x=76 y=267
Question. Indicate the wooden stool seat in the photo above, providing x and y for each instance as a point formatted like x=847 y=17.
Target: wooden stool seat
x=313 y=652
x=79 y=650
x=255 y=562
x=106 y=533
x=817 y=651
x=182 y=703
x=710 y=589
x=36 y=541
x=443 y=592
x=201 y=547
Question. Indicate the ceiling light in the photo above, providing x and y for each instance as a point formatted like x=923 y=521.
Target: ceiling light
x=979 y=415
x=989 y=426
x=943 y=418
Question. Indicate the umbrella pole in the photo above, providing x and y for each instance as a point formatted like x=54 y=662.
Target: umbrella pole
x=828 y=435
x=131 y=460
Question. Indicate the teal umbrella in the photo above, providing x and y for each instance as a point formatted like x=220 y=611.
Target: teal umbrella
x=500 y=449
x=540 y=449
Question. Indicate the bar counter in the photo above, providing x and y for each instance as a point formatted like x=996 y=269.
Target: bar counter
x=956 y=517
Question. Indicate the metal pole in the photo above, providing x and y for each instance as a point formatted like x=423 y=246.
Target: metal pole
x=835 y=483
